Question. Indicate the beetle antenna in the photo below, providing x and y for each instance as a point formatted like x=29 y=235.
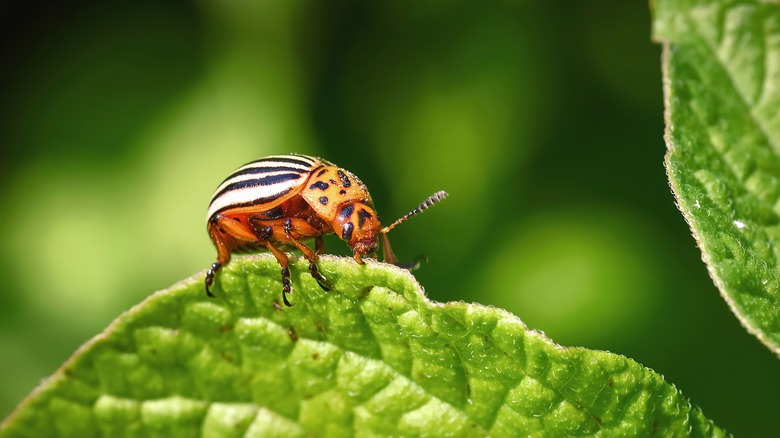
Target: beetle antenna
x=434 y=198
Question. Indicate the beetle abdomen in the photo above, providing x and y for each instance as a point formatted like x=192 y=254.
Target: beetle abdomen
x=262 y=184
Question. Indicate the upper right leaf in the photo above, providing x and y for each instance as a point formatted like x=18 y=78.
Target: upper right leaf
x=722 y=94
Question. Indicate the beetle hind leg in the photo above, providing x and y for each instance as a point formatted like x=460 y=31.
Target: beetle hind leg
x=210 y=277
x=220 y=227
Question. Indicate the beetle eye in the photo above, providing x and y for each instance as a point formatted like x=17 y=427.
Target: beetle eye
x=346 y=231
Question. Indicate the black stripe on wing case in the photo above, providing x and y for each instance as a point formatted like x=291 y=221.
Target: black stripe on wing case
x=263 y=200
x=258 y=182
x=257 y=170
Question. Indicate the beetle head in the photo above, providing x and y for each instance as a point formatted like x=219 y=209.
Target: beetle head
x=357 y=224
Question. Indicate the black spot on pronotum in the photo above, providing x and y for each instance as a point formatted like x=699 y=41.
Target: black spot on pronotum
x=346 y=231
x=321 y=172
x=342 y=192
x=362 y=216
x=319 y=185
x=332 y=181
x=346 y=211
x=345 y=181
x=324 y=200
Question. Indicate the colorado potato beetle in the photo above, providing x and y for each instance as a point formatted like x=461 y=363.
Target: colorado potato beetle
x=277 y=202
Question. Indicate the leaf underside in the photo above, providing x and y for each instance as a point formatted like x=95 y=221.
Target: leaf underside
x=371 y=357
x=722 y=87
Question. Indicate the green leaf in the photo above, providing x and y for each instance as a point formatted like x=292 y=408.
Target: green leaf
x=722 y=87
x=373 y=356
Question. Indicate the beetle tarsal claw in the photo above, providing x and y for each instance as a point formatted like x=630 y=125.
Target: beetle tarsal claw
x=286 y=301
x=324 y=283
x=321 y=280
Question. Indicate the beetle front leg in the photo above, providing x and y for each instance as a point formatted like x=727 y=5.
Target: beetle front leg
x=387 y=251
x=310 y=255
x=319 y=245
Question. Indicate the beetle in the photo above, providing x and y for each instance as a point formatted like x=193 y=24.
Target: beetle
x=277 y=202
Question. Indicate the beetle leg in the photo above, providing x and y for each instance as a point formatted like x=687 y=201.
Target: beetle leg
x=220 y=224
x=210 y=277
x=387 y=251
x=310 y=255
x=267 y=233
x=321 y=280
x=319 y=245
x=284 y=262
x=218 y=227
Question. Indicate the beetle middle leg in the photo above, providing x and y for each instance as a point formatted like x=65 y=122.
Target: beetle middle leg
x=311 y=256
x=284 y=262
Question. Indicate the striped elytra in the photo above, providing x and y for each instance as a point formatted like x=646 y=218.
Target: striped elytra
x=279 y=202
x=263 y=183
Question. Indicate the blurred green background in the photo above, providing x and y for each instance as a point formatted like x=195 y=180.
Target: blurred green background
x=542 y=119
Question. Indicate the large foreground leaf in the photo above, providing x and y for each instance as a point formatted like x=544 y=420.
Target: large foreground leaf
x=373 y=356
x=722 y=86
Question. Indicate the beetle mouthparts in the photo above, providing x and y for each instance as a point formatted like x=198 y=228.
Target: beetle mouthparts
x=366 y=246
